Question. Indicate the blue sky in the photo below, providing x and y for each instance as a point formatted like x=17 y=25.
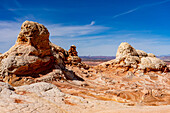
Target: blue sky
x=96 y=27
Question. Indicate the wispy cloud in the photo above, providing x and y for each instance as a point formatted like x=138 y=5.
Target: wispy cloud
x=74 y=31
x=108 y=44
x=140 y=7
x=92 y=23
x=9 y=31
x=89 y=39
x=124 y=13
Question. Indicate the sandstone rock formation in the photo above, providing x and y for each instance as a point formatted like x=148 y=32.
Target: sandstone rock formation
x=127 y=56
x=133 y=78
x=60 y=55
x=124 y=50
x=73 y=59
x=73 y=56
x=32 y=55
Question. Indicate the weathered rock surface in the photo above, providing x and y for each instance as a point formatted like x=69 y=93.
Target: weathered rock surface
x=125 y=49
x=38 y=97
x=141 y=53
x=133 y=78
x=121 y=84
x=33 y=55
x=73 y=57
x=127 y=56
x=60 y=55
x=47 y=98
x=44 y=98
